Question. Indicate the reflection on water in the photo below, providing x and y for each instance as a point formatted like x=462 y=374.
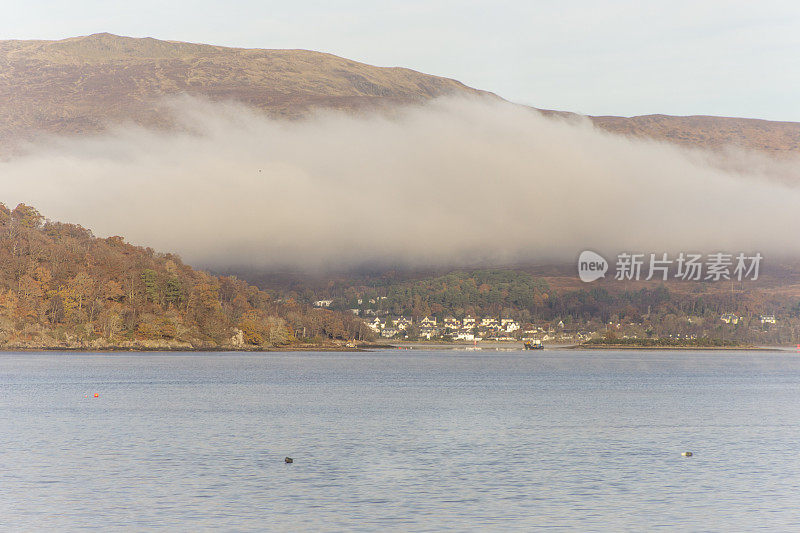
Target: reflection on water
x=407 y=441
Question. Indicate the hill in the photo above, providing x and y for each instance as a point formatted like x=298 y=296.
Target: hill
x=61 y=287
x=546 y=296
x=81 y=84
x=774 y=138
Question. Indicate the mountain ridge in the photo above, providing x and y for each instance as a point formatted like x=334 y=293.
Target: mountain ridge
x=80 y=84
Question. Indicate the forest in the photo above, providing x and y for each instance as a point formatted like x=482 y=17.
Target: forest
x=652 y=309
x=529 y=297
x=62 y=287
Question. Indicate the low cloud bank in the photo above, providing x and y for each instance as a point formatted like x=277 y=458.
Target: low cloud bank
x=456 y=181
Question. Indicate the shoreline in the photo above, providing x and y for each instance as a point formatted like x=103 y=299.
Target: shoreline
x=175 y=349
x=749 y=348
x=411 y=345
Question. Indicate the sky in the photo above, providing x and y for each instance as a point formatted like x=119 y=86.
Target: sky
x=729 y=58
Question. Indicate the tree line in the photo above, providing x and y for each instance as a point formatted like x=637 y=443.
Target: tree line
x=61 y=285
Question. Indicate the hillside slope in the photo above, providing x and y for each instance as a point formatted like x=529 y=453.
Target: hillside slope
x=775 y=138
x=60 y=287
x=79 y=85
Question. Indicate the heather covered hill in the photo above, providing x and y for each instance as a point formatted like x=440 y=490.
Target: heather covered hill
x=82 y=84
x=774 y=138
x=62 y=287
x=79 y=85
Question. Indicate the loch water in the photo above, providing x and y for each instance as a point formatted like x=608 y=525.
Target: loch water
x=403 y=440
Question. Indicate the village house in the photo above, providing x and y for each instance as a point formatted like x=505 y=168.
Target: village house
x=389 y=333
x=323 y=303
x=464 y=336
x=468 y=322
x=426 y=332
x=427 y=322
x=376 y=325
x=452 y=323
x=509 y=325
x=729 y=318
x=767 y=319
x=402 y=323
x=490 y=323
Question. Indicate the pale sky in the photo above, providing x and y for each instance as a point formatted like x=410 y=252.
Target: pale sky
x=731 y=57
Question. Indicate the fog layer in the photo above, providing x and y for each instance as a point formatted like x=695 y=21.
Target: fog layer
x=451 y=182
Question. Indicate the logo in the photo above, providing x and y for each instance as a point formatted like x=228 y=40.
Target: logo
x=718 y=266
x=591 y=266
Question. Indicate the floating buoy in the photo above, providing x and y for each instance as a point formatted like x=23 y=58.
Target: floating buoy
x=288 y=460
x=96 y=395
x=687 y=454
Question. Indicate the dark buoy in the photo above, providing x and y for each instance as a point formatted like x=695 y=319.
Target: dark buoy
x=289 y=460
x=687 y=454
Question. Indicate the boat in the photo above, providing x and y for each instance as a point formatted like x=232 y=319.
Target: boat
x=534 y=344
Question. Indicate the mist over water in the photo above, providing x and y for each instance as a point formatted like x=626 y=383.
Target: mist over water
x=456 y=181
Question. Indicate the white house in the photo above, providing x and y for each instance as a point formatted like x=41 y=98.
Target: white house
x=403 y=323
x=452 y=323
x=376 y=325
x=428 y=322
x=427 y=332
x=729 y=318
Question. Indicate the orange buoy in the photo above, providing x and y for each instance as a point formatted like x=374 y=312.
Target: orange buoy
x=96 y=395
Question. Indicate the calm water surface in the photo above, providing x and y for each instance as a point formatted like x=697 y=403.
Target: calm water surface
x=411 y=440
